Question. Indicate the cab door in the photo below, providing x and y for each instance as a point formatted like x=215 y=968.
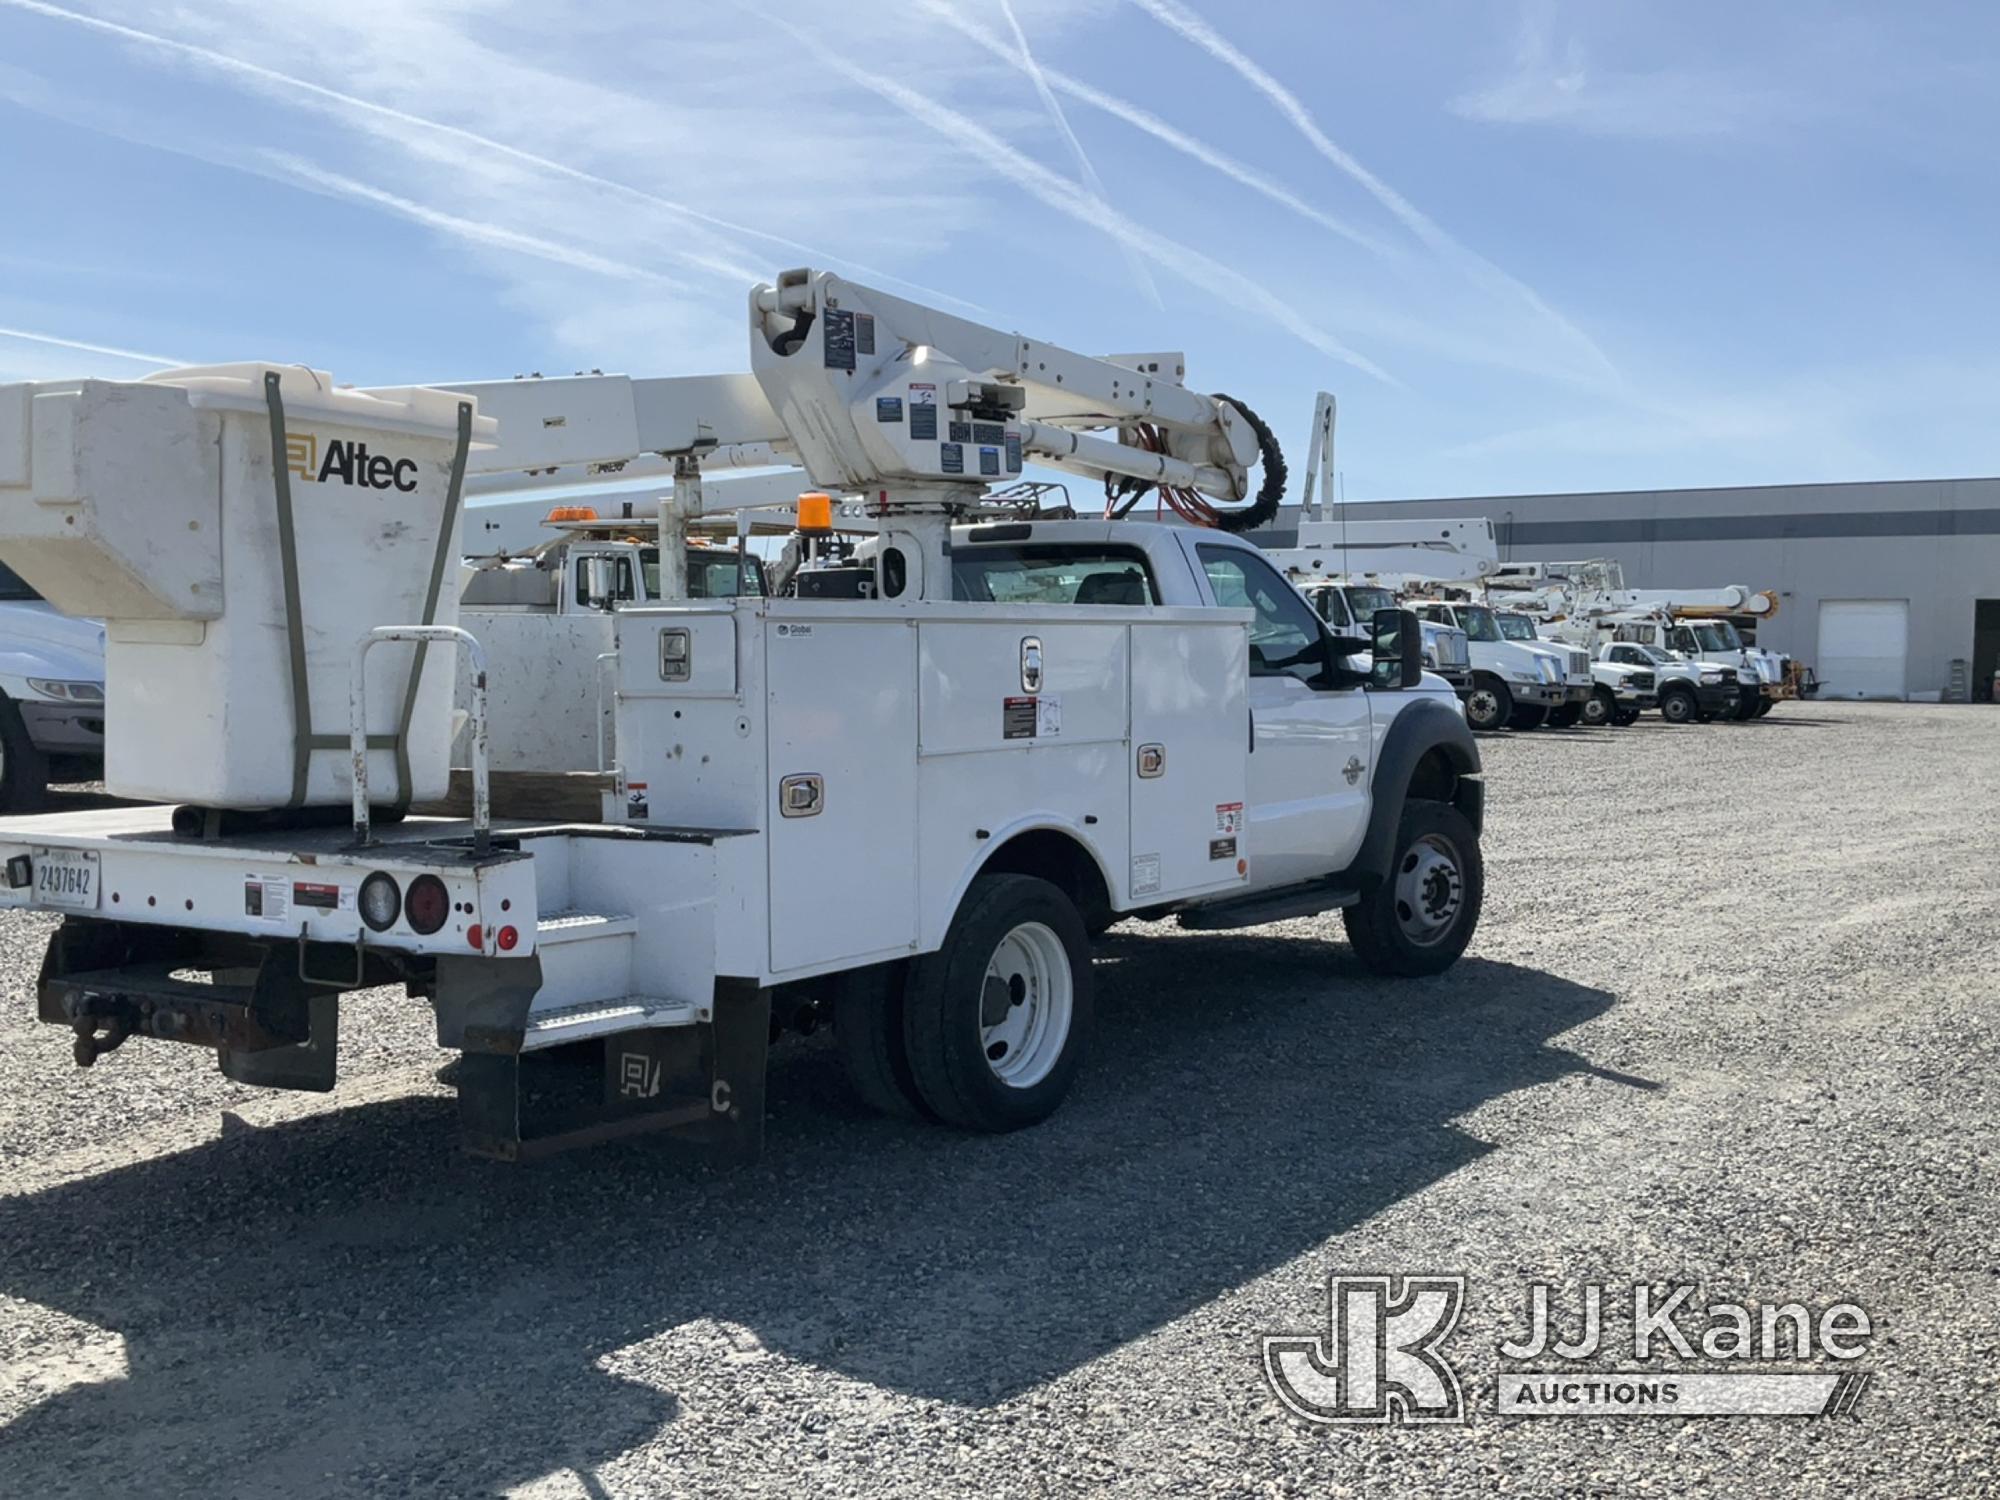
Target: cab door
x=1309 y=741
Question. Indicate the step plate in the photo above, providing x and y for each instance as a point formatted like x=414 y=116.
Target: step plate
x=575 y=1023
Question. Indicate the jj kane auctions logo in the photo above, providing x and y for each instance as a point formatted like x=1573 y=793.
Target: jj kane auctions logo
x=1380 y=1358
x=348 y=462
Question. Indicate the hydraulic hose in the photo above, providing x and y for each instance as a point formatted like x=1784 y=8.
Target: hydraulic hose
x=1262 y=510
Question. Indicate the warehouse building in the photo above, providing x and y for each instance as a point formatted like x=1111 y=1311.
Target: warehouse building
x=1887 y=590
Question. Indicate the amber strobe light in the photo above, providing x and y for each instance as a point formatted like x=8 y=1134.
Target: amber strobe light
x=427 y=904
x=816 y=513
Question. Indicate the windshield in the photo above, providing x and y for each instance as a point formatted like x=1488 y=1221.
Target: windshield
x=1478 y=623
x=1655 y=655
x=1721 y=636
x=14 y=586
x=1364 y=602
x=1517 y=627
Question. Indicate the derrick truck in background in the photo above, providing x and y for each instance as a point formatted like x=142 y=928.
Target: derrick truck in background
x=902 y=799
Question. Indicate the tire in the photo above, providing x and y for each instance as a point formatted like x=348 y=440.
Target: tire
x=1489 y=705
x=996 y=1022
x=1566 y=717
x=1602 y=708
x=1437 y=862
x=1678 y=705
x=868 y=1033
x=1626 y=718
x=1528 y=716
x=24 y=770
x=1747 y=699
x=1765 y=705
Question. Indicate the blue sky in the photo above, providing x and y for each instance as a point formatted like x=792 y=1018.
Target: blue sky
x=1531 y=244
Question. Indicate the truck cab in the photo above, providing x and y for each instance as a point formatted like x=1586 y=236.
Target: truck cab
x=1687 y=690
x=1757 y=681
x=1577 y=679
x=1515 y=685
x=1346 y=607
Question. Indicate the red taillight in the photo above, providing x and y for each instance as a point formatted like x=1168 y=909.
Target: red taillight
x=508 y=938
x=475 y=936
x=426 y=905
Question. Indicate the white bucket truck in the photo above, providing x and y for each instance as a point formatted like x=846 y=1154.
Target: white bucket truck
x=906 y=809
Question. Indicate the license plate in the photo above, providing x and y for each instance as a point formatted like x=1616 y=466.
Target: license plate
x=66 y=877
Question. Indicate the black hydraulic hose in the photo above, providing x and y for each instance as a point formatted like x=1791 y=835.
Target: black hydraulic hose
x=1264 y=509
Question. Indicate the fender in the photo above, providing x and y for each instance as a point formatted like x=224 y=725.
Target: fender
x=932 y=926
x=1419 y=728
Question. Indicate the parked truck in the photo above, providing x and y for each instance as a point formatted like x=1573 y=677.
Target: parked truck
x=904 y=806
x=1619 y=692
x=51 y=696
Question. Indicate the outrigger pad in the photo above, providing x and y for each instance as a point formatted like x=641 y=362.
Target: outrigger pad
x=702 y=1084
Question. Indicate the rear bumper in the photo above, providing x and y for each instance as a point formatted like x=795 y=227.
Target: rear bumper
x=64 y=728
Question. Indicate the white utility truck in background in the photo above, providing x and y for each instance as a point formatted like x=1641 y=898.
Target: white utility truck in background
x=902 y=798
x=1588 y=602
x=1619 y=692
x=51 y=696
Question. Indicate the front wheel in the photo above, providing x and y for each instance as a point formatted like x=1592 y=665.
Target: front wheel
x=1567 y=715
x=1489 y=705
x=1601 y=707
x=1528 y=716
x=1419 y=919
x=1747 y=699
x=995 y=1022
x=1678 y=705
x=1765 y=705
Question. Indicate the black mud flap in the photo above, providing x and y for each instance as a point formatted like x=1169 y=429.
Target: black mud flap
x=702 y=1085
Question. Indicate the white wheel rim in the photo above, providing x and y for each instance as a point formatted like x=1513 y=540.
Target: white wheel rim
x=1028 y=1002
x=1430 y=890
x=1594 y=710
x=1483 y=705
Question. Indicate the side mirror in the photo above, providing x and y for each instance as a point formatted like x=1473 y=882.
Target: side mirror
x=599 y=581
x=1398 y=650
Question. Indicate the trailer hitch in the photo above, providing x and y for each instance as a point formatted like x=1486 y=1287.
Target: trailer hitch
x=89 y=1046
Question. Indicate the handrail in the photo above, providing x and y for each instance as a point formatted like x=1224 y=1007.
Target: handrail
x=357 y=724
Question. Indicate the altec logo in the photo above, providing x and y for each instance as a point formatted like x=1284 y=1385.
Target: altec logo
x=348 y=462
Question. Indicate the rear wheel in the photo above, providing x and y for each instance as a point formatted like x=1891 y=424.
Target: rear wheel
x=1566 y=716
x=1678 y=705
x=1489 y=705
x=995 y=1021
x=1626 y=718
x=1601 y=708
x=868 y=1033
x=1528 y=716
x=24 y=770
x=1419 y=919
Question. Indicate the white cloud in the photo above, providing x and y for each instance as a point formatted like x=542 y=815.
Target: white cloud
x=1554 y=82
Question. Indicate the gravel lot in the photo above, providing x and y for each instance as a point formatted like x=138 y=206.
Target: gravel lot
x=1730 y=1019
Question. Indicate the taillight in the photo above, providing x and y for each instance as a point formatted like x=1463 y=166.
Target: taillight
x=381 y=901
x=427 y=904
x=508 y=937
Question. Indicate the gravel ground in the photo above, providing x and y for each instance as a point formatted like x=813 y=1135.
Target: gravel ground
x=1730 y=1020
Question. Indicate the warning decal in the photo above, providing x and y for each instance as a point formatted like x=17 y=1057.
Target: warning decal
x=1229 y=818
x=1013 y=452
x=266 y=898
x=888 y=408
x=1017 y=718
x=989 y=458
x=951 y=458
x=312 y=893
x=864 y=333
x=839 y=339
x=1145 y=874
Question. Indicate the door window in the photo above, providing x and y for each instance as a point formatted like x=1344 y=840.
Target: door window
x=1286 y=636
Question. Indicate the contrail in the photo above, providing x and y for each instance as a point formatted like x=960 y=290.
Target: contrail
x=224 y=62
x=1151 y=124
x=1025 y=60
x=475 y=230
x=54 y=342
x=1065 y=197
x=1177 y=17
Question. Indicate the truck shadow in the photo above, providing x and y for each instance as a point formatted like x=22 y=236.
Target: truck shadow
x=343 y=1295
